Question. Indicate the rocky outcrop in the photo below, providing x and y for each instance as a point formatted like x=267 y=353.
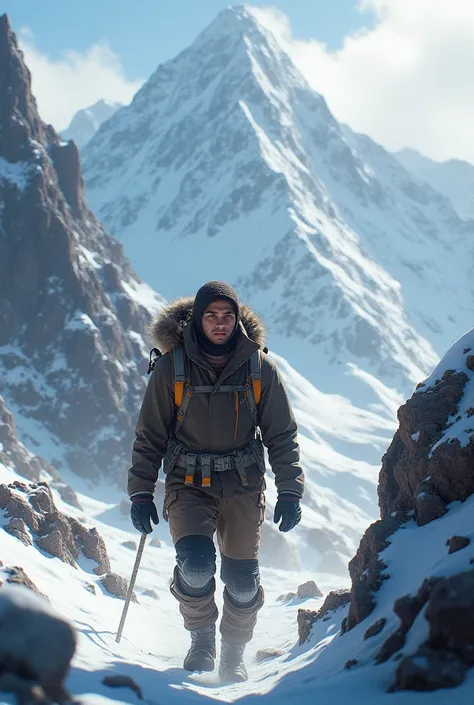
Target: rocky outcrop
x=72 y=325
x=34 y=518
x=428 y=466
x=443 y=660
x=367 y=570
x=16 y=575
x=415 y=477
x=306 y=618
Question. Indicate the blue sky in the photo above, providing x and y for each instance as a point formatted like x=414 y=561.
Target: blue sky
x=400 y=71
x=144 y=33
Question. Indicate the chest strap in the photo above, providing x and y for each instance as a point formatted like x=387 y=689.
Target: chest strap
x=184 y=390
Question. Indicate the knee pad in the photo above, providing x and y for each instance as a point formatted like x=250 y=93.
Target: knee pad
x=241 y=578
x=196 y=561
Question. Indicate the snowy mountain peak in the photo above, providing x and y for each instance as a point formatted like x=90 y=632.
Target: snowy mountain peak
x=87 y=121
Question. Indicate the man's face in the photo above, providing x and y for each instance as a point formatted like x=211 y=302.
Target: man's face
x=218 y=321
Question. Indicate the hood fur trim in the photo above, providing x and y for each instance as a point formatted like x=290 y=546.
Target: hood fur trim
x=167 y=329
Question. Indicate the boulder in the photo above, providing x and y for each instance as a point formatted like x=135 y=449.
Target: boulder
x=43 y=646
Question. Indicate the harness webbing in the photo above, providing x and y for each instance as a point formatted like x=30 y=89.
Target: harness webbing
x=184 y=390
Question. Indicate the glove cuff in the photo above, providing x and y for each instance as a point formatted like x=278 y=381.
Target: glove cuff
x=141 y=497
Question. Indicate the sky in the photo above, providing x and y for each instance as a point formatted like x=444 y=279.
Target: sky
x=399 y=71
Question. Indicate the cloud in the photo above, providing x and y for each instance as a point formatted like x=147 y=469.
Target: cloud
x=406 y=81
x=76 y=80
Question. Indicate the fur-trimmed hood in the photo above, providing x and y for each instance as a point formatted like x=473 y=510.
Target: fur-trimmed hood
x=167 y=328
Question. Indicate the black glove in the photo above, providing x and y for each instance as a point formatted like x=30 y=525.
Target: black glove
x=288 y=510
x=143 y=509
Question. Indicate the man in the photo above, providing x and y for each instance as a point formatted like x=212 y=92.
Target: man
x=209 y=435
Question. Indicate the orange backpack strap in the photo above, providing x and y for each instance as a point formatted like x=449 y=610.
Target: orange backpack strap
x=256 y=375
x=179 y=375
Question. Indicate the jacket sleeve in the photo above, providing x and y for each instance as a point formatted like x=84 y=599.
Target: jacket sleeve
x=152 y=432
x=278 y=426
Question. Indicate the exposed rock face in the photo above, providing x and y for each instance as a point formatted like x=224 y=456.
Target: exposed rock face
x=367 y=569
x=413 y=478
x=306 y=618
x=34 y=517
x=428 y=465
x=71 y=325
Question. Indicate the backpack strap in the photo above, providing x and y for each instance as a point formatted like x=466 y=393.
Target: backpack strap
x=256 y=375
x=183 y=390
x=254 y=384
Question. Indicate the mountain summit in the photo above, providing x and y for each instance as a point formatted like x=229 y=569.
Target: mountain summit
x=227 y=164
x=87 y=121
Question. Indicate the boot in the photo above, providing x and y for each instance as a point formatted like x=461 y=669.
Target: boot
x=231 y=666
x=202 y=652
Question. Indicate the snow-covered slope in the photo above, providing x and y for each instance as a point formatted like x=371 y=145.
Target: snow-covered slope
x=87 y=121
x=453 y=178
x=227 y=165
x=153 y=643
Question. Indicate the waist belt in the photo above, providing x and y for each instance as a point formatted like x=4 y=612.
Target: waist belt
x=239 y=460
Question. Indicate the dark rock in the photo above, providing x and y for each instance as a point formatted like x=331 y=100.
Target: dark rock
x=43 y=645
x=429 y=669
x=394 y=643
x=308 y=589
x=90 y=587
x=450 y=613
x=376 y=628
x=352 y=662
x=470 y=362
x=344 y=626
x=306 y=619
x=429 y=505
x=367 y=570
x=267 y=654
x=407 y=609
x=458 y=542
x=120 y=681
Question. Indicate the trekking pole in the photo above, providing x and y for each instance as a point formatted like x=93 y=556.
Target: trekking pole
x=131 y=586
